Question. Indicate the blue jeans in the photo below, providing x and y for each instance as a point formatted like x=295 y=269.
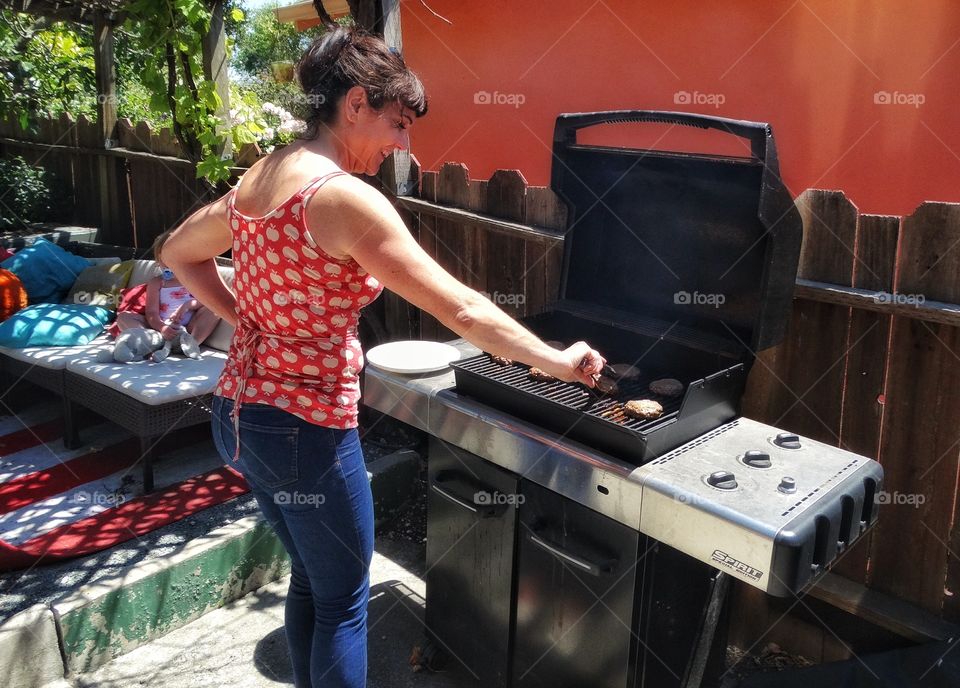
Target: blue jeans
x=311 y=484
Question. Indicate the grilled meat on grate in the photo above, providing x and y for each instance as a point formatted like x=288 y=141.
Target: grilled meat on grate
x=643 y=409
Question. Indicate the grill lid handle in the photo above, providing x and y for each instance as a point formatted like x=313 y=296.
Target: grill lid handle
x=567 y=125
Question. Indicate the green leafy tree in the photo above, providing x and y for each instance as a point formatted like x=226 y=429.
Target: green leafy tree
x=262 y=40
x=31 y=196
x=46 y=68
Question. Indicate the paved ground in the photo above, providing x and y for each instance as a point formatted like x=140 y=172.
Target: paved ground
x=242 y=645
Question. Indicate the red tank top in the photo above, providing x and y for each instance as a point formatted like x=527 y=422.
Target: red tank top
x=296 y=344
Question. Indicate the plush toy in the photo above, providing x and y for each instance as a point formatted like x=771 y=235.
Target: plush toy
x=138 y=343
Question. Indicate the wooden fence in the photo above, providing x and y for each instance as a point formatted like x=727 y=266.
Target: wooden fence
x=147 y=187
x=871 y=360
x=499 y=236
x=873 y=368
x=881 y=379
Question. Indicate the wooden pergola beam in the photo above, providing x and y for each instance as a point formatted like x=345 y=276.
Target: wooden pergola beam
x=78 y=11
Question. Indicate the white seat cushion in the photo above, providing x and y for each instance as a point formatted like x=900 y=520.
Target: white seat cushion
x=157 y=383
x=143 y=271
x=57 y=357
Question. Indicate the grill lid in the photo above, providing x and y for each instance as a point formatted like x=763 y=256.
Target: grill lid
x=695 y=241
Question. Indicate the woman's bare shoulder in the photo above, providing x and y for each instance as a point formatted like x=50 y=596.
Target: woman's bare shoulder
x=276 y=177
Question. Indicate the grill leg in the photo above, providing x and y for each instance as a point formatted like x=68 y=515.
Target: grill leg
x=711 y=619
x=71 y=435
x=147 y=453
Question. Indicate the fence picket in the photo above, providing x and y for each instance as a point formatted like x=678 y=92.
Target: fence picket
x=506 y=256
x=920 y=442
x=876 y=250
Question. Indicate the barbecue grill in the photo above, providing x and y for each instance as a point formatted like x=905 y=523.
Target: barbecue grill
x=571 y=546
x=681 y=263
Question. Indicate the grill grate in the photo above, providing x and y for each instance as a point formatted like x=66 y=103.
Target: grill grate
x=577 y=398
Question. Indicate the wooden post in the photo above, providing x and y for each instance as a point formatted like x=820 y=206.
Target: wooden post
x=106 y=80
x=365 y=13
x=215 y=68
x=395 y=173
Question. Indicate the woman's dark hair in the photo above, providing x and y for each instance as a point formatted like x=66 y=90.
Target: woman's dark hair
x=346 y=57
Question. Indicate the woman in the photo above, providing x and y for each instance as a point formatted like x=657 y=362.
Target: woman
x=311 y=246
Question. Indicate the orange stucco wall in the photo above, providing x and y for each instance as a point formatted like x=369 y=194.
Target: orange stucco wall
x=812 y=68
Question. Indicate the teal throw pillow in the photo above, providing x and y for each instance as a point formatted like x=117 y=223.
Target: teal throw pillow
x=46 y=270
x=54 y=324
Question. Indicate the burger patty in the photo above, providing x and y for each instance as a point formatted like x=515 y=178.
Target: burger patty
x=606 y=386
x=625 y=371
x=540 y=376
x=667 y=387
x=643 y=409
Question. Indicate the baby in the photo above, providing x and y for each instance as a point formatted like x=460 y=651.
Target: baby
x=170 y=307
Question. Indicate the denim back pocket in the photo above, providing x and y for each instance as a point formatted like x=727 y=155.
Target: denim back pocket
x=269 y=455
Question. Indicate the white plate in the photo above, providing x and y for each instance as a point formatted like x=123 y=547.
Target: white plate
x=412 y=356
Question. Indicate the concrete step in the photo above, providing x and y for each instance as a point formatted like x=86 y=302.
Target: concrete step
x=146 y=599
x=242 y=645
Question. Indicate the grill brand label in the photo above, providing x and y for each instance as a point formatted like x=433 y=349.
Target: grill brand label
x=725 y=559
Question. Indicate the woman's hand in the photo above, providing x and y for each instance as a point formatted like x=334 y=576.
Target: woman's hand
x=577 y=363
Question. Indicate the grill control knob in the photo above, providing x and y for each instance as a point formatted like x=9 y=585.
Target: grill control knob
x=757 y=459
x=723 y=480
x=787 y=485
x=787 y=440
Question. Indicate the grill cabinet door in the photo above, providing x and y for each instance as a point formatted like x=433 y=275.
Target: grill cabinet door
x=471 y=524
x=575 y=595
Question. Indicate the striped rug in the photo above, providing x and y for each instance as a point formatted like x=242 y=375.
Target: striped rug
x=58 y=504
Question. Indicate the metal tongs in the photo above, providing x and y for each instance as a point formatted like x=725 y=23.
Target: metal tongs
x=606 y=371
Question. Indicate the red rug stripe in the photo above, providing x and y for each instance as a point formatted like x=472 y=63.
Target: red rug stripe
x=30 y=437
x=125 y=521
x=27 y=489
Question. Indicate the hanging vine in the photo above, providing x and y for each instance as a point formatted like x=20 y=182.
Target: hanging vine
x=171 y=32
